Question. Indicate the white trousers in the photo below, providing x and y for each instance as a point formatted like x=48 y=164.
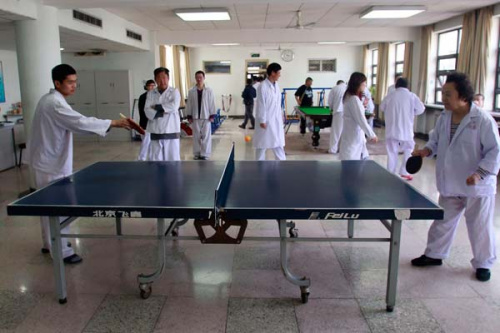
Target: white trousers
x=336 y=131
x=393 y=147
x=279 y=153
x=41 y=180
x=202 y=137
x=164 y=150
x=479 y=219
x=143 y=153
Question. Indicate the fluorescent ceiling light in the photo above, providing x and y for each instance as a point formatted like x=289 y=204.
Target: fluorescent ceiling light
x=225 y=62
x=225 y=44
x=61 y=49
x=331 y=43
x=390 y=12
x=203 y=14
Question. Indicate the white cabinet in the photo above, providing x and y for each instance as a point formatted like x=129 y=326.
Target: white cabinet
x=104 y=95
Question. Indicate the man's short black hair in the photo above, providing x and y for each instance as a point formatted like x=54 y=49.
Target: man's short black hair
x=340 y=81
x=60 y=72
x=309 y=79
x=462 y=85
x=402 y=83
x=148 y=82
x=274 y=67
x=199 y=72
x=249 y=81
x=161 y=70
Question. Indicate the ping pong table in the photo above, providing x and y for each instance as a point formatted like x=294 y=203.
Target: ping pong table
x=224 y=194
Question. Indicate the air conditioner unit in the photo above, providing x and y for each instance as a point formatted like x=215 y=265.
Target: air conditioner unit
x=91 y=53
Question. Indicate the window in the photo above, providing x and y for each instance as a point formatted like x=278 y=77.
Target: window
x=322 y=65
x=400 y=60
x=374 y=68
x=448 y=46
x=496 y=102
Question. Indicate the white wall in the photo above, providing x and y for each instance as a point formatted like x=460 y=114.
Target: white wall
x=11 y=80
x=140 y=64
x=293 y=73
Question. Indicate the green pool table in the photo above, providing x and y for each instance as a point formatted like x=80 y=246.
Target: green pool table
x=320 y=116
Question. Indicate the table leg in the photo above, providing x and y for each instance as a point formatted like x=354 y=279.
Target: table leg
x=302 y=282
x=350 y=228
x=145 y=280
x=119 y=226
x=315 y=135
x=57 y=259
x=392 y=275
x=302 y=124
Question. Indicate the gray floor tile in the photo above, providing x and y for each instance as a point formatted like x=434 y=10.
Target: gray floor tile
x=15 y=307
x=409 y=316
x=373 y=257
x=261 y=315
x=126 y=314
x=265 y=256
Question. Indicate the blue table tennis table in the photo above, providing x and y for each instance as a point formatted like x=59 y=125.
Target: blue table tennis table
x=224 y=194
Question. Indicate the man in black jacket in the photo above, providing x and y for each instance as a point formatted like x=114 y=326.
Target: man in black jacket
x=143 y=120
x=248 y=96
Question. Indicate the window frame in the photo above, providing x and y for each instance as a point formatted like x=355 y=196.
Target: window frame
x=444 y=57
x=396 y=63
x=373 y=66
x=496 y=92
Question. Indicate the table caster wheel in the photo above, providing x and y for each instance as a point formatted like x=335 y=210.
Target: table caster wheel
x=175 y=232
x=63 y=301
x=389 y=308
x=294 y=233
x=304 y=297
x=146 y=290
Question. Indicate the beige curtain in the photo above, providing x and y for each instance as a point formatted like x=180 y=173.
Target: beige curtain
x=366 y=55
x=425 y=47
x=189 y=81
x=177 y=72
x=408 y=65
x=474 y=47
x=163 y=56
x=382 y=71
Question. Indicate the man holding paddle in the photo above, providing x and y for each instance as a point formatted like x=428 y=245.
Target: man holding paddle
x=467 y=146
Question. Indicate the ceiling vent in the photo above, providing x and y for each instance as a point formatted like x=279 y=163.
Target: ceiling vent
x=77 y=15
x=134 y=35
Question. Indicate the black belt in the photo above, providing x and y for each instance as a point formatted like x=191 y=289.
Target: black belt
x=165 y=136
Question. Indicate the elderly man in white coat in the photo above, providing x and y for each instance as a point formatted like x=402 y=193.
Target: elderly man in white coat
x=400 y=108
x=164 y=124
x=467 y=146
x=269 y=134
x=337 y=107
x=352 y=140
x=200 y=110
x=50 y=143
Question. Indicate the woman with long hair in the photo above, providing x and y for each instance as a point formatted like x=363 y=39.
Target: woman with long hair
x=352 y=141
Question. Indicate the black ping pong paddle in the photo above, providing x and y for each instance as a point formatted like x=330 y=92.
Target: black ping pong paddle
x=413 y=164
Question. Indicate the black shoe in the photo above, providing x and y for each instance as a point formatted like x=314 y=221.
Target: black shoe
x=483 y=274
x=73 y=259
x=203 y=158
x=241 y=126
x=424 y=260
x=253 y=127
x=47 y=251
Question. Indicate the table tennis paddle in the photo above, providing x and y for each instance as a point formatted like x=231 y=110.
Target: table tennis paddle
x=413 y=164
x=134 y=125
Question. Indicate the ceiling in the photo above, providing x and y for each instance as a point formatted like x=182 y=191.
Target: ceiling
x=158 y=15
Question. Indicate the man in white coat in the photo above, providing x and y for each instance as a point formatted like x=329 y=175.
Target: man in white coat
x=467 y=146
x=336 y=105
x=164 y=124
x=400 y=108
x=369 y=106
x=50 y=143
x=200 y=110
x=269 y=134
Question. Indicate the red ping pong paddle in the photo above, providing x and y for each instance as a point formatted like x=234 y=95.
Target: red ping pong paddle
x=413 y=164
x=134 y=125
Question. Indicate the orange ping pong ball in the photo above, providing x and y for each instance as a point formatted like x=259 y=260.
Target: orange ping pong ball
x=248 y=138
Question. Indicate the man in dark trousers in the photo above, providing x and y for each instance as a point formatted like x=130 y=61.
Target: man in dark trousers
x=143 y=120
x=248 y=96
x=304 y=97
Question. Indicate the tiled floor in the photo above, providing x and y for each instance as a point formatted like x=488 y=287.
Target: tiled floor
x=226 y=288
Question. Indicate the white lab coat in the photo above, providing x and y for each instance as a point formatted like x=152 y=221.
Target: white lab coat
x=391 y=89
x=352 y=141
x=170 y=123
x=370 y=107
x=268 y=111
x=475 y=144
x=50 y=147
x=202 y=128
x=337 y=107
x=400 y=109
